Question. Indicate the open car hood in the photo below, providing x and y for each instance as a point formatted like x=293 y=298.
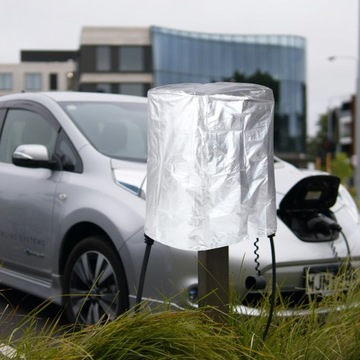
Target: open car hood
x=313 y=193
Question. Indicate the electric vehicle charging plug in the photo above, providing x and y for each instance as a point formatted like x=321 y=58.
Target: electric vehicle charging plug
x=323 y=224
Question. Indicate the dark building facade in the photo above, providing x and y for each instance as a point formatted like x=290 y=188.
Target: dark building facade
x=341 y=128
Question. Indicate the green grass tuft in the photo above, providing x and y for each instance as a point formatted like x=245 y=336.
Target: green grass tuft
x=192 y=334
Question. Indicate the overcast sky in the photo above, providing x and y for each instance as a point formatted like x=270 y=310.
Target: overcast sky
x=329 y=26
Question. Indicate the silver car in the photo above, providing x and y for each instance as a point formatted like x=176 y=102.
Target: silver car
x=72 y=210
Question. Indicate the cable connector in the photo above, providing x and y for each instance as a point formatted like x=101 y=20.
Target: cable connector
x=323 y=224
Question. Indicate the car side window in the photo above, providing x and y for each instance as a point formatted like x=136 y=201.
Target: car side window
x=67 y=154
x=25 y=127
x=2 y=114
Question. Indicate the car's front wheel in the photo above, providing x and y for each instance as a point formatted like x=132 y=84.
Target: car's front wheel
x=94 y=282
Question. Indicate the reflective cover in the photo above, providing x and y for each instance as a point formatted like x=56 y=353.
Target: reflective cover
x=210 y=164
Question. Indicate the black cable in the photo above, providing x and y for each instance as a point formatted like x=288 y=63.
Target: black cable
x=335 y=253
x=347 y=245
x=257 y=256
x=333 y=248
x=149 y=242
x=349 y=267
x=256 y=282
x=273 y=291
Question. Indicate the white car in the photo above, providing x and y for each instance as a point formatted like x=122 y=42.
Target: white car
x=72 y=210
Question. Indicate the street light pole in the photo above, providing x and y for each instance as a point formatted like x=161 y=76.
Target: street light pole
x=357 y=116
x=357 y=110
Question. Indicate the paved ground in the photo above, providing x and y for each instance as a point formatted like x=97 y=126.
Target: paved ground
x=15 y=309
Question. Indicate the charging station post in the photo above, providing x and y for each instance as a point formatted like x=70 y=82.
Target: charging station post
x=210 y=172
x=213 y=274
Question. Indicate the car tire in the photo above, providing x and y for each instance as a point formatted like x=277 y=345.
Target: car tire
x=95 y=287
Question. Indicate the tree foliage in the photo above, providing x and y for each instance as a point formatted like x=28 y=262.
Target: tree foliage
x=260 y=78
x=318 y=145
x=341 y=167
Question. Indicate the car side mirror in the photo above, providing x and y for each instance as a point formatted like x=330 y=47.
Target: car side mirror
x=32 y=156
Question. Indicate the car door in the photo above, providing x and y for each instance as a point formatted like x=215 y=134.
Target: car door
x=26 y=194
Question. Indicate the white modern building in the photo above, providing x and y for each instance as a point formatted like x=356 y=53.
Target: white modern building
x=115 y=60
x=34 y=73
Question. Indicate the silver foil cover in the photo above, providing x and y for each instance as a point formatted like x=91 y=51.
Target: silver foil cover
x=210 y=165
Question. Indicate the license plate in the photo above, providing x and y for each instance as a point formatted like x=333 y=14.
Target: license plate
x=319 y=282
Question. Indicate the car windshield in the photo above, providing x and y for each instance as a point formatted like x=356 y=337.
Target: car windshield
x=116 y=129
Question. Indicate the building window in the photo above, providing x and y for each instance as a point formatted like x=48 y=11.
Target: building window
x=5 y=81
x=103 y=58
x=53 y=79
x=131 y=58
x=103 y=87
x=137 y=89
x=33 y=81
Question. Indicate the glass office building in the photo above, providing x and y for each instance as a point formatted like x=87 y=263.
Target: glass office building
x=277 y=61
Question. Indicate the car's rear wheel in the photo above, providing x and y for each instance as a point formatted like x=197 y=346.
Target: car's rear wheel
x=94 y=283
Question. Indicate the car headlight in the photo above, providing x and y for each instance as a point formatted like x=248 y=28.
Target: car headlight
x=349 y=203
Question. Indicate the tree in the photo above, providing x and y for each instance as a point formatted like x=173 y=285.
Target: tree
x=260 y=78
x=341 y=167
x=318 y=145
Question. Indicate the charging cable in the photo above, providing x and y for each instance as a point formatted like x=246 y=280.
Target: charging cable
x=259 y=282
